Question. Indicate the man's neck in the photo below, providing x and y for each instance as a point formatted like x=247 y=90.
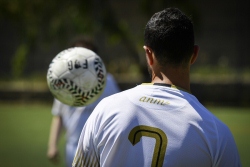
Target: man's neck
x=175 y=76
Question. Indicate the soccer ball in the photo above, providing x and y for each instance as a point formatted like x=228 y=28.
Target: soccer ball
x=76 y=76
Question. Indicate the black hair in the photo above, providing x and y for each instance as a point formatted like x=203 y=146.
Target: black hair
x=84 y=41
x=169 y=33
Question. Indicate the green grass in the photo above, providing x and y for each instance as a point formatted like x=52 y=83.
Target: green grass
x=24 y=133
x=25 y=128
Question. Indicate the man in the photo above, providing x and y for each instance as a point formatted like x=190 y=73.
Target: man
x=72 y=119
x=160 y=123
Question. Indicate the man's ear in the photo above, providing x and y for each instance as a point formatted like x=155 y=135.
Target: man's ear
x=195 y=54
x=149 y=55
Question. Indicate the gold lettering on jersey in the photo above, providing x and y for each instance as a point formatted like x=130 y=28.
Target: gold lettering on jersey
x=153 y=100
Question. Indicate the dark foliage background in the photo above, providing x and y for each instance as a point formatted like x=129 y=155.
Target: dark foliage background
x=33 y=32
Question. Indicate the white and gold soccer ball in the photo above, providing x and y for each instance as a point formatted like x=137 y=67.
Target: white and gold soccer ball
x=76 y=76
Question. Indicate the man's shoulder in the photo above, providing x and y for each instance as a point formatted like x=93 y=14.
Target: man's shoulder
x=119 y=96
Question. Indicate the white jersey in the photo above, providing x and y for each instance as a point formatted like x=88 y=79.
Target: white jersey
x=155 y=125
x=74 y=118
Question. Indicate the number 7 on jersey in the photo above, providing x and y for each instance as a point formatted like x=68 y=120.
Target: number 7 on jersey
x=160 y=145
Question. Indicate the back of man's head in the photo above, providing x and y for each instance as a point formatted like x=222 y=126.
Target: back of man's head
x=169 y=33
x=84 y=41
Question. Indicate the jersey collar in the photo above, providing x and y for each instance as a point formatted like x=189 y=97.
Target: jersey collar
x=166 y=85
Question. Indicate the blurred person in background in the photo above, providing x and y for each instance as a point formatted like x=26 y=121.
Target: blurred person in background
x=72 y=119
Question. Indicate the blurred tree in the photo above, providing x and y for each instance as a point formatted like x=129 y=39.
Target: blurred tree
x=45 y=22
x=19 y=61
x=42 y=23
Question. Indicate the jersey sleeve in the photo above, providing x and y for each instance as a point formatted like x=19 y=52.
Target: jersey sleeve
x=227 y=152
x=56 y=108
